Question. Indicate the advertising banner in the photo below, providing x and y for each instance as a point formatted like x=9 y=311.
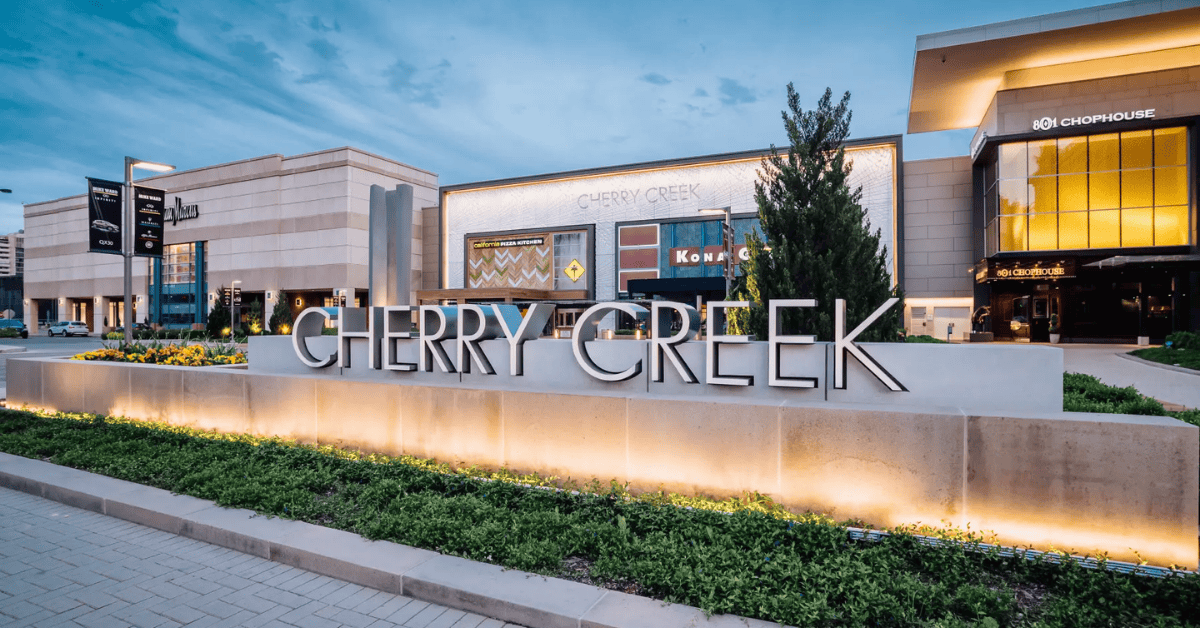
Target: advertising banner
x=148 y=207
x=104 y=216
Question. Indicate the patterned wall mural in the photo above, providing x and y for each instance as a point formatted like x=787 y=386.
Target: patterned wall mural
x=524 y=261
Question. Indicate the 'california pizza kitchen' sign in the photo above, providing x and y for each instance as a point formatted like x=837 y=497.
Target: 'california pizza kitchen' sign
x=469 y=324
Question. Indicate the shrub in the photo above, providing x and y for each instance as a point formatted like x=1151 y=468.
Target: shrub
x=923 y=339
x=1184 y=340
x=172 y=355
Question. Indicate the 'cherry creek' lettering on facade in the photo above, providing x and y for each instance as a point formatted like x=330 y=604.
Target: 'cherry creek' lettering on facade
x=469 y=324
x=664 y=194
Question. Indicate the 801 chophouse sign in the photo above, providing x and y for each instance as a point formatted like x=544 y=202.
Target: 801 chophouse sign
x=104 y=216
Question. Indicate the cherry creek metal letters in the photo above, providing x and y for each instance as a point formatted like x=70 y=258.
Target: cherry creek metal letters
x=469 y=324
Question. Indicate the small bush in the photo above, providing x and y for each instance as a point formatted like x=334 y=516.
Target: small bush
x=1184 y=340
x=923 y=339
x=171 y=355
x=9 y=332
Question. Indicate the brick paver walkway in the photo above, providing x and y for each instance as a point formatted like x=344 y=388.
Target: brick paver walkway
x=61 y=566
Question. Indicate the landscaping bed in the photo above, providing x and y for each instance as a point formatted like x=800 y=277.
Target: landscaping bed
x=167 y=354
x=1084 y=393
x=1180 y=349
x=747 y=557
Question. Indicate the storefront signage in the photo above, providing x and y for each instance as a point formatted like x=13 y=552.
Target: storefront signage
x=693 y=256
x=179 y=211
x=148 y=206
x=1047 y=123
x=498 y=244
x=662 y=194
x=1026 y=271
x=469 y=324
x=104 y=216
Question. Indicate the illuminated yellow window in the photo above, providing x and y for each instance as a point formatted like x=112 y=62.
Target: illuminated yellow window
x=1104 y=229
x=1072 y=193
x=1072 y=155
x=1137 y=227
x=1137 y=188
x=1012 y=161
x=1014 y=196
x=1104 y=190
x=1012 y=234
x=1170 y=147
x=1043 y=232
x=1104 y=152
x=1171 y=225
x=1137 y=150
x=1170 y=186
x=1111 y=190
x=1043 y=195
x=1043 y=158
x=1073 y=230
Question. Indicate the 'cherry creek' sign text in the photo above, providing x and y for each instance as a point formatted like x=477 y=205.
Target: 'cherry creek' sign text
x=469 y=324
x=664 y=194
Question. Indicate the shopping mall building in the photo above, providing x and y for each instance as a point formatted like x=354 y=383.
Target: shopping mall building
x=1075 y=203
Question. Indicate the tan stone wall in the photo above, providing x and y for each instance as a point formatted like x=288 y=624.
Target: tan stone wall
x=1171 y=93
x=274 y=223
x=1079 y=482
x=937 y=228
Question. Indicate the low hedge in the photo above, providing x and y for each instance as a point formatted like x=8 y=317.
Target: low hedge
x=755 y=559
x=1084 y=393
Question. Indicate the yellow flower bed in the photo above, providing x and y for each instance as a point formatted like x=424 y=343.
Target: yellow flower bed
x=171 y=355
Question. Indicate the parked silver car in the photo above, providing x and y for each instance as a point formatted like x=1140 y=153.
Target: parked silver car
x=68 y=328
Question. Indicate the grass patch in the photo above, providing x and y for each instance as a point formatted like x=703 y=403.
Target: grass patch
x=925 y=339
x=749 y=556
x=1187 y=358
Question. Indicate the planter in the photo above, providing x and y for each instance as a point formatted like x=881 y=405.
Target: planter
x=1055 y=338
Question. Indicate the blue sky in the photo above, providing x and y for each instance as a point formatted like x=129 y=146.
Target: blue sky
x=469 y=90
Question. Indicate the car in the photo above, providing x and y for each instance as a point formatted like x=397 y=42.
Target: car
x=68 y=328
x=105 y=226
x=15 y=324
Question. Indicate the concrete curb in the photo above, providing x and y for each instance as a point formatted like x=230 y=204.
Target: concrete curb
x=505 y=594
x=9 y=349
x=1169 y=367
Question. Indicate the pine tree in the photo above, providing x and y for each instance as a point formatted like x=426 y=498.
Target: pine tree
x=219 y=318
x=281 y=315
x=817 y=242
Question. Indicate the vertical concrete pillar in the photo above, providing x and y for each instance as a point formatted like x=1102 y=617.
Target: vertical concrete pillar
x=349 y=292
x=272 y=298
x=141 y=309
x=31 y=319
x=390 y=251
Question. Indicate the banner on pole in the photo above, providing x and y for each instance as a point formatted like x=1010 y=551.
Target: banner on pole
x=104 y=216
x=148 y=207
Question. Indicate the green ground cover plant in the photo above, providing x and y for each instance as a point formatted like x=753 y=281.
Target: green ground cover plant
x=744 y=556
x=1181 y=348
x=925 y=339
x=1084 y=393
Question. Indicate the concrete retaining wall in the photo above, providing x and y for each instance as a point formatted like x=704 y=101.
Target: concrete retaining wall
x=1079 y=482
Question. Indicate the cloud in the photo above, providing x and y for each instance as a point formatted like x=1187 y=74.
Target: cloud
x=700 y=93
x=655 y=78
x=324 y=49
x=734 y=93
x=255 y=53
x=403 y=79
x=317 y=24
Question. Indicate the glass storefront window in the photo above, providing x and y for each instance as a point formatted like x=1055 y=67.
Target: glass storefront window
x=1110 y=190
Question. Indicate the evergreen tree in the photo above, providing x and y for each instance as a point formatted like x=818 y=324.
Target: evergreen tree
x=282 y=314
x=219 y=318
x=817 y=242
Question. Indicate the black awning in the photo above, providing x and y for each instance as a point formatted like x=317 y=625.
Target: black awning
x=1130 y=260
x=682 y=287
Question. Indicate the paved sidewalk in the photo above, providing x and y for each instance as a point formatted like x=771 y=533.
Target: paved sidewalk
x=1105 y=362
x=62 y=566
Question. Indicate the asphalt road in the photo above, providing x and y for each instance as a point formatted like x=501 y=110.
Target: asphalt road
x=42 y=347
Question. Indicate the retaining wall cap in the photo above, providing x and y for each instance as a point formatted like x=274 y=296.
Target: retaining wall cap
x=506 y=594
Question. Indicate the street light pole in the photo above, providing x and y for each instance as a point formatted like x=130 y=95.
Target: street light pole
x=726 y=244
x=127 y=234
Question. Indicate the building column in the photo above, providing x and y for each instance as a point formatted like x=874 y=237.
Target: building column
x=31 y=320
x=98 y=310
x=272 y=298
x=349 y=292
x=141 y=309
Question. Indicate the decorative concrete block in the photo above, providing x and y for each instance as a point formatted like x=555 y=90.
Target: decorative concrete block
x=359 y=415
x=454 y=425
x=108 y=391
x=883 y=467
x=156 y=393
x=214 y=400
x=1081 y=481
x=63 y=385
x=698 y=447
x=586 y=442
x=24 y=383
x=282 y=406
